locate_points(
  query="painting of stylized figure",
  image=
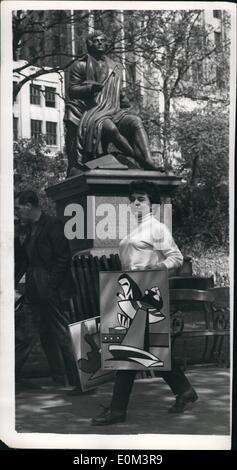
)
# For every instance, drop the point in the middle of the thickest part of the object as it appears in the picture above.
(85, 337)
(135, 332)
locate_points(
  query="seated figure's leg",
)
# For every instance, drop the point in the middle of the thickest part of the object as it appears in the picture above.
(70, 143)
(110, 133)
(132, 128)
(74, 155)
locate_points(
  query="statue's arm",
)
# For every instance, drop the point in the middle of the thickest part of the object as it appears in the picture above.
(124, 101)
(78, 89)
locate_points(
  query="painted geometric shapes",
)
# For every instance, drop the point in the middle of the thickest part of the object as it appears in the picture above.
(135, 321)
(85, 337)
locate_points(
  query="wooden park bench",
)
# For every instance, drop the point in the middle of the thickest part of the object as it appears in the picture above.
(202, 318)
(86, 270)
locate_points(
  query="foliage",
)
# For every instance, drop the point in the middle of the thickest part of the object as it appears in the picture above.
(179, 58)
(48, 40)
(35, 168)
(201, 203)
(207, 262)
(43, 40)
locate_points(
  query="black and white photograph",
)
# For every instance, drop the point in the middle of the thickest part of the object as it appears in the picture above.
(117, 183)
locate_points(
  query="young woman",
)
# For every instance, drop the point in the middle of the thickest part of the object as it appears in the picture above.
(149, 246)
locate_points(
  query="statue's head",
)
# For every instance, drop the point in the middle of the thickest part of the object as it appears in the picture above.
(96, 42)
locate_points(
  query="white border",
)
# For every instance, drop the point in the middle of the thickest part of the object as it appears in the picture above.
(7, 425)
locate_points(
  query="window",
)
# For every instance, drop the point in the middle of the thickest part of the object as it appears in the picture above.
(35, 97)
(217, 14)
(50, 97)
(36, 128)
(132, 72)
(197, 72)
(14, 97)
(219, 77)
(217, 37)
(15, 128)
(51, 133)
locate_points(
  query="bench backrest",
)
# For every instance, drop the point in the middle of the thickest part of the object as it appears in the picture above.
(86, 270)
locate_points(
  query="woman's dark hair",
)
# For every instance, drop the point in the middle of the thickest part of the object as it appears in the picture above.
(28, 196)
(145, 187)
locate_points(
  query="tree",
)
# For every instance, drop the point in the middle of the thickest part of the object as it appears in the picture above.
(171, 54)
(49, 40)
(35, 168)
(43, 39)
(201, 204)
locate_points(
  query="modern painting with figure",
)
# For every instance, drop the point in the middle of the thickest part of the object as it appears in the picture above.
(135, 320)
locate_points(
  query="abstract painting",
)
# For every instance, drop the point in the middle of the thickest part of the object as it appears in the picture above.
(135, 321)
(85, 337)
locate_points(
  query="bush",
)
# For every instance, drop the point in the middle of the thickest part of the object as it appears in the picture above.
(201, 204)
(35, 168)
(208, 262)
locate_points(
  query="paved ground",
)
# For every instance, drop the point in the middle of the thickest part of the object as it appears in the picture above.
(42, 408)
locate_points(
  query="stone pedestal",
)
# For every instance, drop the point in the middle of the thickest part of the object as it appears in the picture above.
(90, 200)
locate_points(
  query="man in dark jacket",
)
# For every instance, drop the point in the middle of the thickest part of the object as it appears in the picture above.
(48, 282)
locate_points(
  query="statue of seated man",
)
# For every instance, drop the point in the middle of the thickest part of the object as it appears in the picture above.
(97, 111)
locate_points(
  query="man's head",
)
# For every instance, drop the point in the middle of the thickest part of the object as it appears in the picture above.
(27, 207)
(96, 43)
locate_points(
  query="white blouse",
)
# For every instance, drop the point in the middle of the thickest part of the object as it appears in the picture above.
(149, 244)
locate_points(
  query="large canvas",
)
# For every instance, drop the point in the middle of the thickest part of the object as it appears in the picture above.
(135, 321)
(86, 345)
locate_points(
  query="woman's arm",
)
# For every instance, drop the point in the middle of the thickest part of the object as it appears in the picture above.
(165, 244)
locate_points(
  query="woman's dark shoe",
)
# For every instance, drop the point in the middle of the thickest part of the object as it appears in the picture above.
(109, 416)
(182, 400)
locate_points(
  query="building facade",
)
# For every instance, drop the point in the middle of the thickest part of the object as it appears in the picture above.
(38, 108)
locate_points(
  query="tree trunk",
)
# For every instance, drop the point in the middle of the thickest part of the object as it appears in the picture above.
(166, 128)
(194, 170)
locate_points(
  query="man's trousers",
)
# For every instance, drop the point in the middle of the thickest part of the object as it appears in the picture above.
(49, 320)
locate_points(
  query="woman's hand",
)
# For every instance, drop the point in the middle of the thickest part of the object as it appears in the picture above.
(162, 265)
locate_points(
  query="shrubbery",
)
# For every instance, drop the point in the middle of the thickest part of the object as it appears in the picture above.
(201, 204)
(200, 149)
(35, 168)
(208, 262)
